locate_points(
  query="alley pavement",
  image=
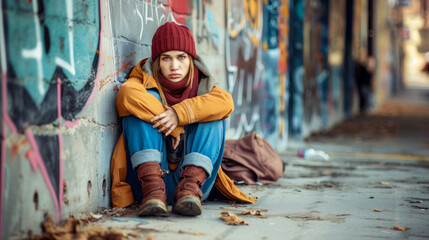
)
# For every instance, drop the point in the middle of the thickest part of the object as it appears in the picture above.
(374, 186)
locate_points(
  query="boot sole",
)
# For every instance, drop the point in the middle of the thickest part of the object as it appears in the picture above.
(188, 206)
(152, 207)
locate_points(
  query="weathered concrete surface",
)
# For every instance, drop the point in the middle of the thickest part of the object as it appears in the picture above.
(377, 178)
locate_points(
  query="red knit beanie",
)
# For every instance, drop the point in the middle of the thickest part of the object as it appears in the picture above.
(173, 37)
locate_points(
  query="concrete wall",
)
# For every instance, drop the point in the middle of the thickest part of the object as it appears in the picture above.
(63, 61)
(58, 123)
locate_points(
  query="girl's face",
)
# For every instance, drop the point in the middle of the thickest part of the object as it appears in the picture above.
(174, 65)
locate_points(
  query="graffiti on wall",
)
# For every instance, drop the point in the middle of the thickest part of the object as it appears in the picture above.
(283, 69)
(135, 21)
(296, 68)
(336, 56)
(271, 81)
(316, 63)
(207, 32)
(243, 64)
(133, 24)
(49, 70)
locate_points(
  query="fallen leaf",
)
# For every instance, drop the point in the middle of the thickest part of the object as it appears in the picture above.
(381, 226)
(384, 183)
(124, 212)
(253, 212)
(151, 238)
(399, 228)
(71, 229)
(232, 219)
(371, 197)
(181, 231)
(197, 234)
(378, 210)
(84, 220)
(134, 235)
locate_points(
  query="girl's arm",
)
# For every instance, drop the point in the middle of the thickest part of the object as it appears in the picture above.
(215, 105)
(133, 99)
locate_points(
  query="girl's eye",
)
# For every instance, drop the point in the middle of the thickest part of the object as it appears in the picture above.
(181, 57)
(166, 58)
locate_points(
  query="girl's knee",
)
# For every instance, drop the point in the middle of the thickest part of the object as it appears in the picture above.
(213, 124)
(154, 93)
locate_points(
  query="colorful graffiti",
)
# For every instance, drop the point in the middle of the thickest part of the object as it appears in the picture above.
(133, 25)
(296, 68)
(207, 32)
(336, 58)
(271, 81)
(256, 64)
(316, 64)
(50, 60)
(135, 22)
(283, 70)
(243, 64)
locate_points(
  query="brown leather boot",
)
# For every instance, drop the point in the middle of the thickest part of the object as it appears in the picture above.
(187, 198)
(153, 189)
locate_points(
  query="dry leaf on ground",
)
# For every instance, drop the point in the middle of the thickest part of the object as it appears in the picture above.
(399, 228)
(195, 233)
(71, 229)
(384, 183)
(232, 219)
(378, 210)
(257, 212)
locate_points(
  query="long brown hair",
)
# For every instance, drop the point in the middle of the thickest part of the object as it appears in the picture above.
(156, 70)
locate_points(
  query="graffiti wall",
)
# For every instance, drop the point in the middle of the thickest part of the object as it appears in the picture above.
(256, 67)
(283, 23)
(336, 61)
(296, 68)
(316, 79)
(271, 78)
(133, 25)
(243, 64)
(50, 56)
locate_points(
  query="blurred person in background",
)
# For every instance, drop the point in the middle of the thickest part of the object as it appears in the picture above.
(364, 70)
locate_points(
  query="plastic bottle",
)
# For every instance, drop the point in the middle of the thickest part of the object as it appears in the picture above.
(313, 154)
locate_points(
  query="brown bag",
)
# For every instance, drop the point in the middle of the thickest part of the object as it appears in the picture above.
(251, 159)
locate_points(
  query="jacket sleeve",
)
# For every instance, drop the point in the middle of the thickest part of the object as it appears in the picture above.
(133, 99)
(215, 105)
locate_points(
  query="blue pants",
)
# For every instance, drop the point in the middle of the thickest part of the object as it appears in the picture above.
(203, 148)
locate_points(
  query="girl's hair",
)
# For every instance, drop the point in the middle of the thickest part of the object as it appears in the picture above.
(156, 70)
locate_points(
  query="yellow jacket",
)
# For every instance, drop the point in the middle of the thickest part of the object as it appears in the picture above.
(211, 103)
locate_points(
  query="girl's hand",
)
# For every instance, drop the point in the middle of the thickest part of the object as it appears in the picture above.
(167, 120)
(176, 141)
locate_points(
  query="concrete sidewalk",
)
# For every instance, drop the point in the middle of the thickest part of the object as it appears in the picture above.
(377, 178)
(353, 198)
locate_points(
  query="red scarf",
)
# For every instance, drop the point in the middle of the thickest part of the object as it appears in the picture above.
(176, 92)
